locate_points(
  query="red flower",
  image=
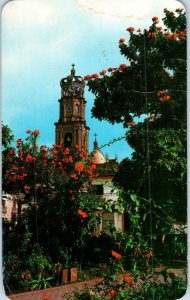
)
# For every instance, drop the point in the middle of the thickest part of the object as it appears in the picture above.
(165, 98)
(19, 143)
(65, 160)
(29, 158)
(152, 34)
(139, 30)
(53, 163)
(96, 76)
(79, 167)
(85, 153)
(121, 40)
(55, 152)
(130, 29)
(175, 36)
(11, 150)
(20, 153)
(148, 255)
(66, 151)
(111, 293)
(111, 69)
(82, 213)
(36, 132)
(28, 131)
(155, 19)
(103, 72)
(182, 35)
(74, 176)
(57, 146)
(116, 255)
(168, 34)
(160, 93)
(131, 123)
(128, 279)
(87, 77)
(89, 172)
(26, 187)
(159, 28)
(122, 66)
(70, 159)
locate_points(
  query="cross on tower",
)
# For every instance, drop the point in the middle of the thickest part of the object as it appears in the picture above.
(73, 70)
(95, 142)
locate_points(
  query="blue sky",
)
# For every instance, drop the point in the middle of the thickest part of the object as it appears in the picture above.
(40, 41)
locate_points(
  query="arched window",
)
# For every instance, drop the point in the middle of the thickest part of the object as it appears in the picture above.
(77, 109)
(68, 140)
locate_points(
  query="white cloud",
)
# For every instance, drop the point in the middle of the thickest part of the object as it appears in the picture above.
(119, 8)
(137, 9)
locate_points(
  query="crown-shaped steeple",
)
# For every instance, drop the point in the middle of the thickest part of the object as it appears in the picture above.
(72, 85)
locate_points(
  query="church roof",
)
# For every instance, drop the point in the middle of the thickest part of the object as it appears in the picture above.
(97, 154)
(98, 157)
(105, 166)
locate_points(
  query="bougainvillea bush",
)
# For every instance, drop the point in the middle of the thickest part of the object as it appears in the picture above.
(52, 185)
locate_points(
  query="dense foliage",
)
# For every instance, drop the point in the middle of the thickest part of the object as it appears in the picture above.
(7, 136)
(148, 95)
(52, 185)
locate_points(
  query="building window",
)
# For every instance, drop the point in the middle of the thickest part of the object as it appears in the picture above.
(68, 140)
(4, 208)
(78, 109)
(107, 217)
(14, 209)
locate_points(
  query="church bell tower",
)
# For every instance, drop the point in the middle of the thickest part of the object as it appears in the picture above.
(71, 128)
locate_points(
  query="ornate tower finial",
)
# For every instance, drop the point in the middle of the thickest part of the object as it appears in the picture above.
(72, 85)
(73, 70)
